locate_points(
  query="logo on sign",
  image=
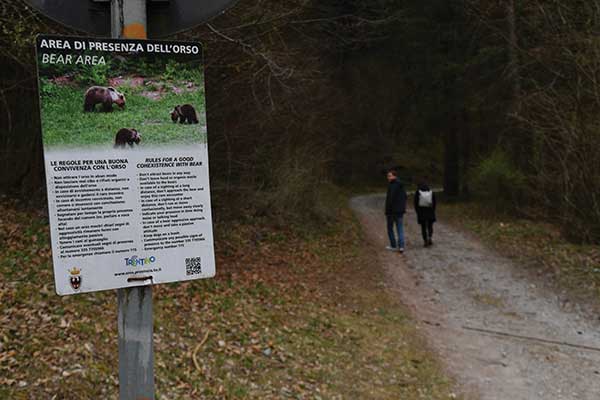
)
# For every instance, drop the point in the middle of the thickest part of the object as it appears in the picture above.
(75, 278)
(135, 261)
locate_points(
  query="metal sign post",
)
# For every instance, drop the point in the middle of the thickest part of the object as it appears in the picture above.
(135, 319)
(136, 349)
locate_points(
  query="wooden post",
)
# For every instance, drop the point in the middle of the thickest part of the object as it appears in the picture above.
(135, 320)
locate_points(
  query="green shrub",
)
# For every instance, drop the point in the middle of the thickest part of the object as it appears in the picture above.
(179, 72)
(48, 89)
(58, 94)
(93, 74)
(170, 70)
(498, 182)
(296, 190)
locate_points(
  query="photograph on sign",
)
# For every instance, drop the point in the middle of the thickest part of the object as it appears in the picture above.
(126, 158)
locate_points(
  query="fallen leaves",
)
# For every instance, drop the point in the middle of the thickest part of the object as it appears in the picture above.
(286, 317)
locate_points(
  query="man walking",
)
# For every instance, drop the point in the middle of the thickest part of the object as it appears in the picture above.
(395, 207)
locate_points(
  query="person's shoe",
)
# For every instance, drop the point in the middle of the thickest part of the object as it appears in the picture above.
(426, 243)
(430, 242)
(401, 249)
(390, 248)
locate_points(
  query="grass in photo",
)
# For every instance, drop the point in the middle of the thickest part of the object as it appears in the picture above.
(163, 101)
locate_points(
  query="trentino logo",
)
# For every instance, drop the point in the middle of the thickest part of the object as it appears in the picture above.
(135, 261)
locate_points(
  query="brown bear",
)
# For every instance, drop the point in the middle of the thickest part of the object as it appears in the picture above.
(107, 96)
(127, 136)
(184, 113)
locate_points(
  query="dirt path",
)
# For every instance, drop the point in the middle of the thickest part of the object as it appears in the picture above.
(461, 292)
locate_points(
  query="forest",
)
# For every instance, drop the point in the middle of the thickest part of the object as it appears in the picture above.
(491, 100)
(306, 105)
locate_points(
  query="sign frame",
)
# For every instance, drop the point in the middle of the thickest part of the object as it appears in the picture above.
(180, 167)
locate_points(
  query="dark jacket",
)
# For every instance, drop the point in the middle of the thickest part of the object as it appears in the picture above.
(395, 201)
(425, 214)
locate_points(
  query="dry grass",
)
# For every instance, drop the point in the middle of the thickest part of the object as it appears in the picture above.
(287, 317)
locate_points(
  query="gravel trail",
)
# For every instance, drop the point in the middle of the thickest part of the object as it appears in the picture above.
(500, 335)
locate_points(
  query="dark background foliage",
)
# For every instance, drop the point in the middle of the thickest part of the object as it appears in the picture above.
(495, 100)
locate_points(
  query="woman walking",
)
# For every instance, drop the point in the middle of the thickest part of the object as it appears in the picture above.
(425, 203)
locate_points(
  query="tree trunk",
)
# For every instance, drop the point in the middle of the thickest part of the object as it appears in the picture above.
(452, 159)
(513, 57)
(466, 152)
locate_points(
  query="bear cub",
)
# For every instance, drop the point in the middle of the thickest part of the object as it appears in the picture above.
(184, 113)
(127, 136)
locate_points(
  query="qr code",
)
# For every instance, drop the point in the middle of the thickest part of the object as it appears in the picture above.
(193, 266)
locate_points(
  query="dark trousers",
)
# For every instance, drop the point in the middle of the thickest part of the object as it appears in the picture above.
(427, 230)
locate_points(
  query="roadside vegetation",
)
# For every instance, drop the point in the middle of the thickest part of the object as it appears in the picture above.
(291, 314)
